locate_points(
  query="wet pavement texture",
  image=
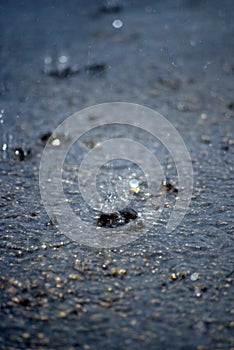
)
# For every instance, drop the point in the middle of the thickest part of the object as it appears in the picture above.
(163, 291)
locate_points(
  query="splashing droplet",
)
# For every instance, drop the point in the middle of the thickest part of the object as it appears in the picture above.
(134, 185)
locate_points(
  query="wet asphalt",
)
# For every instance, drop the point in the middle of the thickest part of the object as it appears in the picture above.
(163, 291)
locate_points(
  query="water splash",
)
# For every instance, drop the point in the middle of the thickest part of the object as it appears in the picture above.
(4, 145)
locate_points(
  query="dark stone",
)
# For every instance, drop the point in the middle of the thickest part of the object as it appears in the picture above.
(96, 68)
(169, 187)
(128, 214)
(119, 218)
(45, 137)
(62, 73)
(108, 220)
(224, 147)
(111, 8)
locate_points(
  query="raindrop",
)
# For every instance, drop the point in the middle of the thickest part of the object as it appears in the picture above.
(117, 23)
(192, 42)
(4, 135)
(134, 185)
(63, 59)
(56, 142)
(194, 276)
(48, 60)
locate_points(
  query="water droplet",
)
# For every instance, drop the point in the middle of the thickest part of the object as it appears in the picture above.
(63, 59)
(19, 154)
(56, 142)
(134, 185)
(48, 60)
(1, 116)
(194, 276)
(193, 42)
(117, 23)
(4, 147)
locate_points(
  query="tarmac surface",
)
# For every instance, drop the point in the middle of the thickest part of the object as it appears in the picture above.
(162, 291)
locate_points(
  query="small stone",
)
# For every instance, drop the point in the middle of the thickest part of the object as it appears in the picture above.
(128, 214)
(62, 313)
(73, 276)
(40, 335)
(116, 271)
(122, 272)
(133, 322)
(205, 139)
(174, 276)
(25, 335)
(97, 318)
(108, 219)
(44, 317)
(45, 137)
(117, 218)
(106, 304)
(96, 68)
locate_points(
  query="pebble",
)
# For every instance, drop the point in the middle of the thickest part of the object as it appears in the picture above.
(45, 137)
(96, 68)
(231, 106)
(116, 271)
(66, 72)
(116, 219)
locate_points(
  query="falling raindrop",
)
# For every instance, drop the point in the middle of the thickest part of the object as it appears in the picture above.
(4, 145)
(117, 23)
